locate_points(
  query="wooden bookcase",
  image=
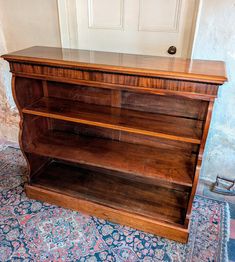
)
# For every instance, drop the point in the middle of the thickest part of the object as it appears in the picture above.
(113, 135)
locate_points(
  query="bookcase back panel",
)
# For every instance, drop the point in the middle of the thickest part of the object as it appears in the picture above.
(161, 104)
(177, 106)
(85, 94)
(87, 130)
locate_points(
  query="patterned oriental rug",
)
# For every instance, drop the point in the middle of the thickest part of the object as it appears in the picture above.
(35, 231)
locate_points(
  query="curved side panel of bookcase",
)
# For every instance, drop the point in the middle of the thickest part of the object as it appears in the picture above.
(25, 91)
(21, 126)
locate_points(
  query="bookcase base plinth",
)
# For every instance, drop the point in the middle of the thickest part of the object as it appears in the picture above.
(156, 227)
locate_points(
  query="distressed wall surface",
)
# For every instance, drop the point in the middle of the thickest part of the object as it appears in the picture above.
(8, 113)
(215, 40)
(22, 24)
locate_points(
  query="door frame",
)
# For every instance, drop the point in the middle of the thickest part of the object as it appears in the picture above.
(68, 21)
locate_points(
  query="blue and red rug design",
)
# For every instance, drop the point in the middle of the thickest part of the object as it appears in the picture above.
(35, 231)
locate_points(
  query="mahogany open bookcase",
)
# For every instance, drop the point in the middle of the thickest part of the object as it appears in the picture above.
(115, 135)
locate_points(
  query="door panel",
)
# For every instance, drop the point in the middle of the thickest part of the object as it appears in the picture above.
(113, 19)
(136, 26)
(159, 15)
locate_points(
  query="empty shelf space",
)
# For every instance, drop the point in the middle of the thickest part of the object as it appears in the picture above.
(118, 193)
(151, 124)
(141, 162)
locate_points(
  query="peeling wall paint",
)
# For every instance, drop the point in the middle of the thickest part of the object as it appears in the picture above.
(215, 40)
(9, 116)
(22, 24)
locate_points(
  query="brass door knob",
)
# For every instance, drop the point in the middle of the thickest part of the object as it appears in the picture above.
(172, 50)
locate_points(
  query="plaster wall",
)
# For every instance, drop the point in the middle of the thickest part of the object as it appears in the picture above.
(22, 24)
(30, 22)
(215, 40)
(8, 112)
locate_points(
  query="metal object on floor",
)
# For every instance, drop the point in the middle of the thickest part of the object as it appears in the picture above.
(224, 186)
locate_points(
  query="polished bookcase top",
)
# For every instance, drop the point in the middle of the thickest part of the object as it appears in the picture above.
(178, 68)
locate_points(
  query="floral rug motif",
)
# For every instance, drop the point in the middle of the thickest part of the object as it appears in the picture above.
(34, 231)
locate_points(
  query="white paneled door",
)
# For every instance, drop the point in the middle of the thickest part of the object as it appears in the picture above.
(129, 26)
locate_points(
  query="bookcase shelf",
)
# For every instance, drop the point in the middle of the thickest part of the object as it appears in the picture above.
(155, 202)
(149, 164)
(158, 125)
(113, 138)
